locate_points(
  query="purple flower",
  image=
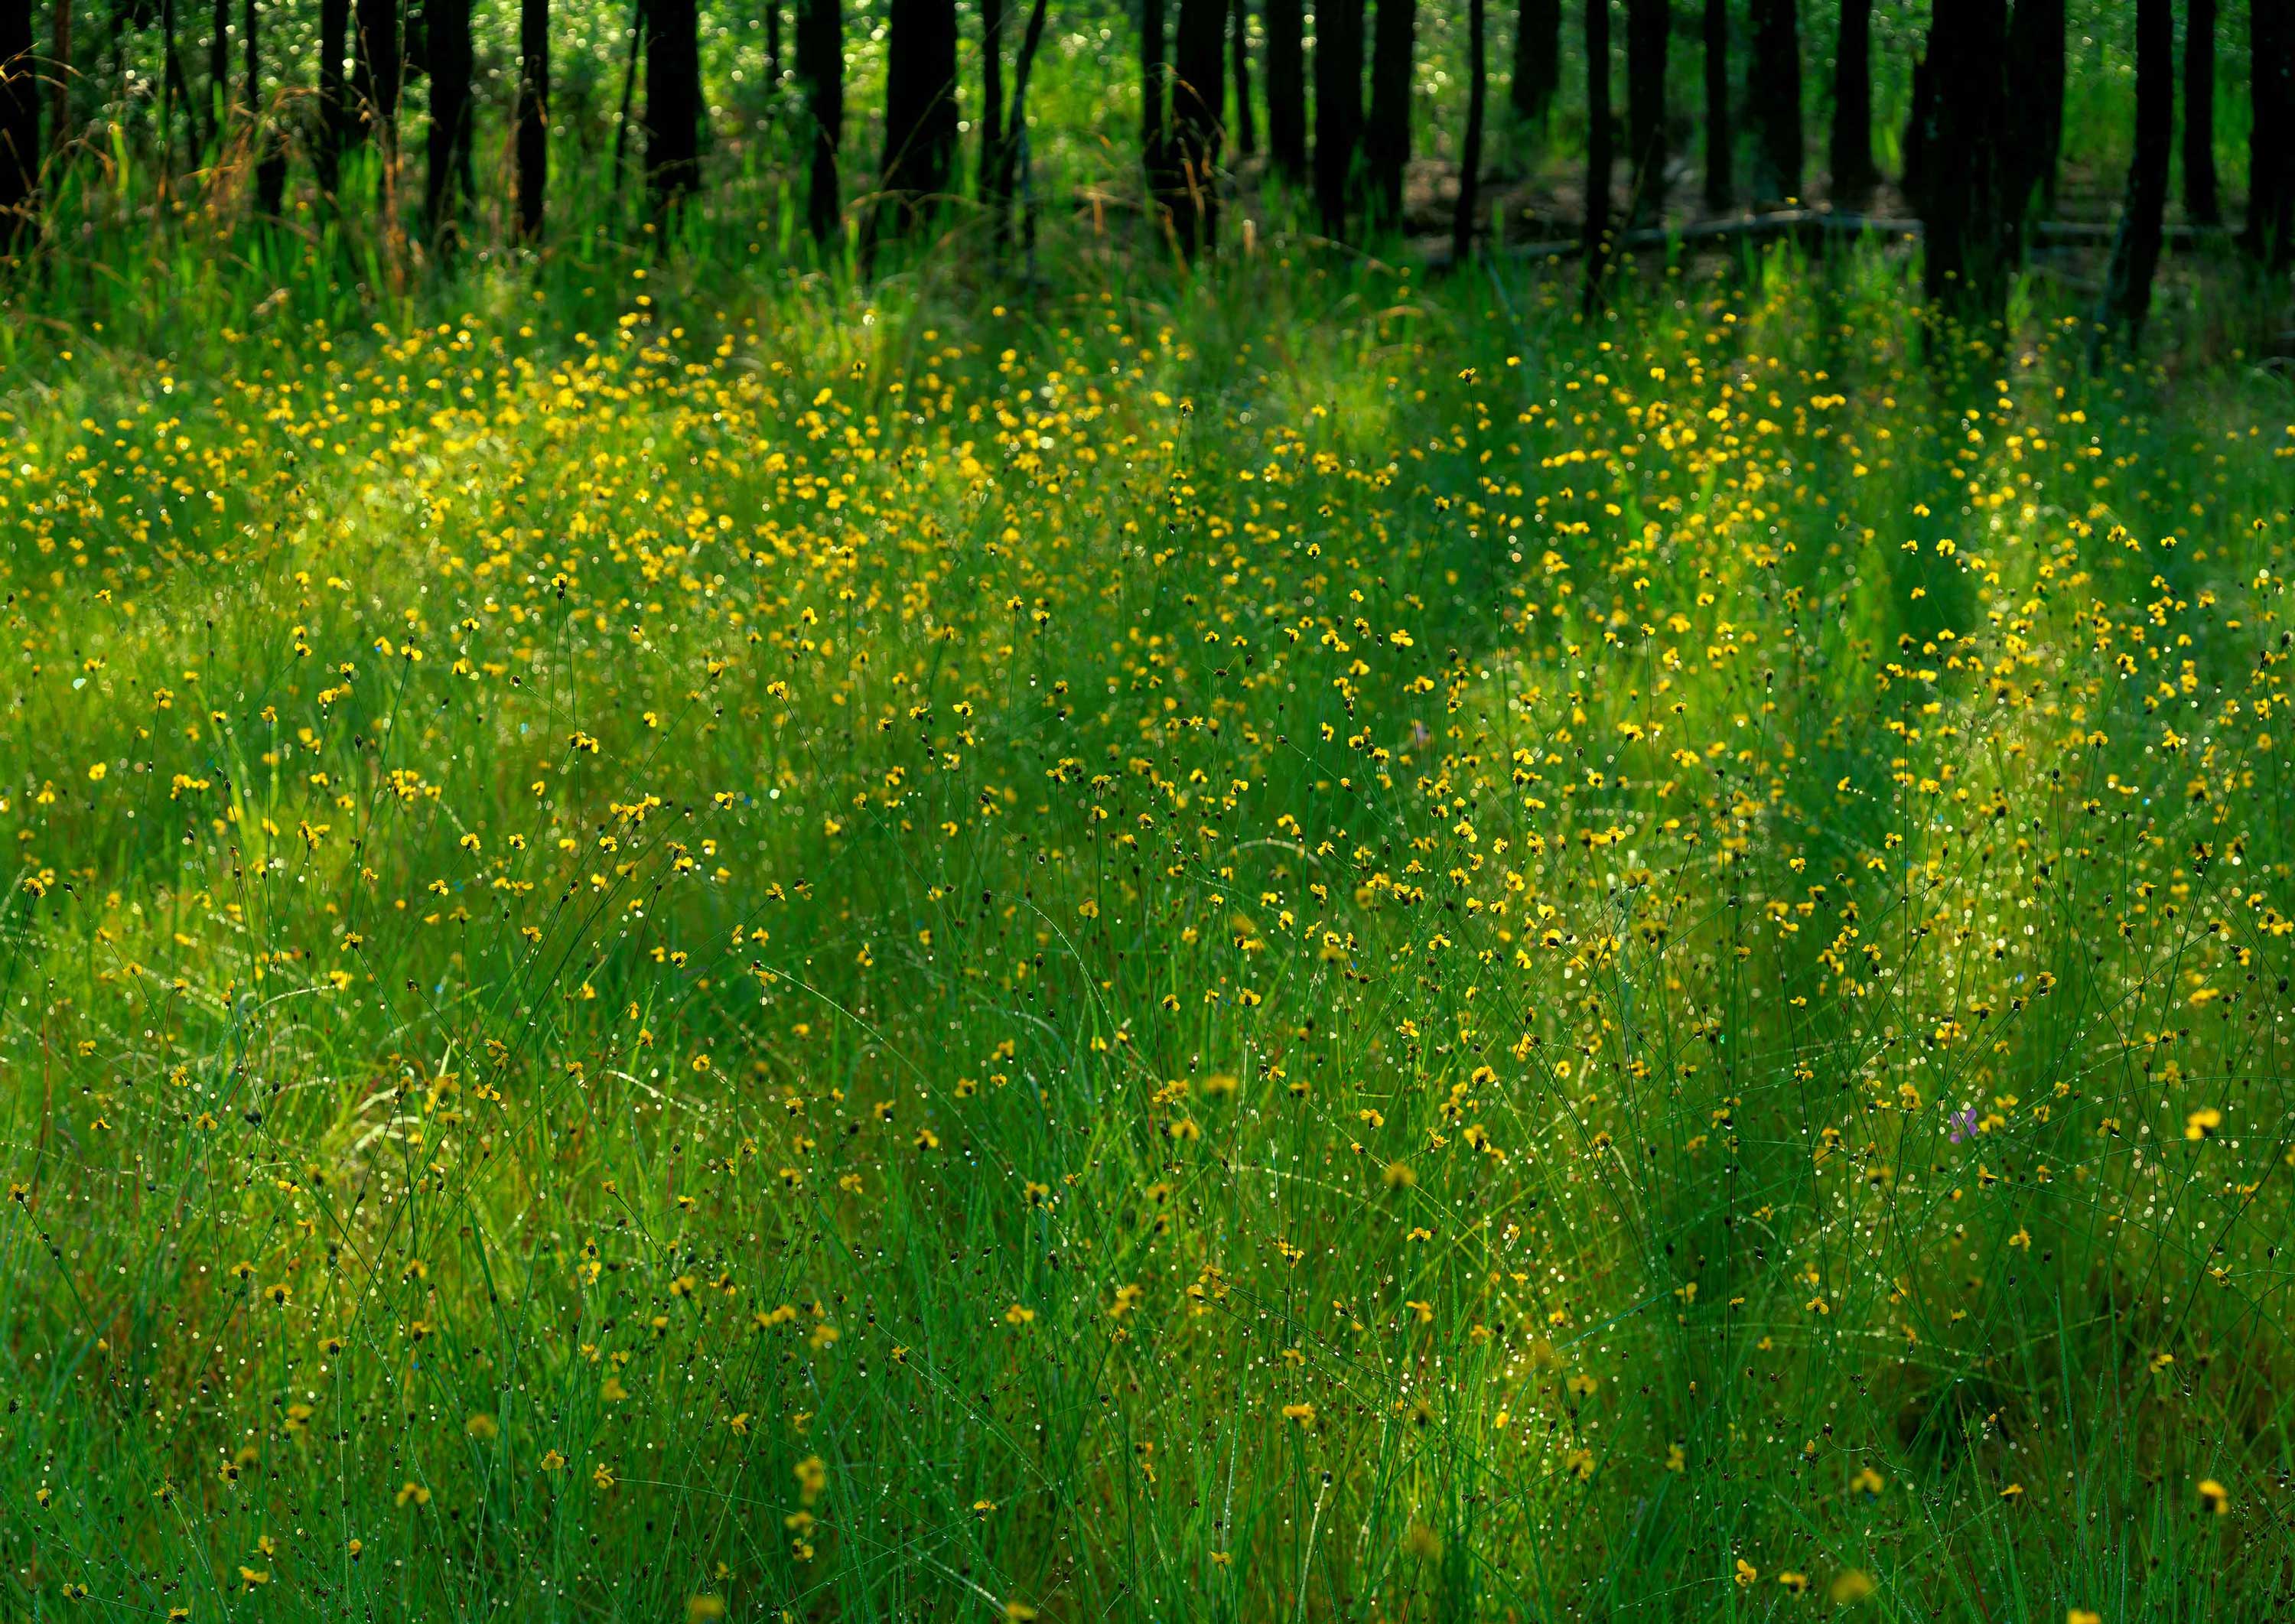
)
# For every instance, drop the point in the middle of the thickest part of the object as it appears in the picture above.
(1963, 1124)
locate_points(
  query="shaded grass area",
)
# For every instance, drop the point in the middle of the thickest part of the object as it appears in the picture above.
(1291, 945)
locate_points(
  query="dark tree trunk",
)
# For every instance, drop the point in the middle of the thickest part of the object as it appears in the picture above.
(1011, 155)
(991, 94)
(1286, 86)
(773, 45)
(1720, 138)
(1960, 117)
(1247, 131)
(335, 114)
(1154, 155)
(1536, 60)
(533, 115)
(1198, 98)
(1649, 29)
(271, 149)
(2270, 235)
(219, 76)
(1773, 100)
(1338, 108)
(821, 66)
(446, 37)
(19, 129)
(1470, 150)
(1597, 153)
(2034, 132)
(1386, 134)
(2202, 199)
(376, 72)
(640, 14)
(673, 108)
(920, 108)
(2136, 246)
(1850, 161)
(174, 93)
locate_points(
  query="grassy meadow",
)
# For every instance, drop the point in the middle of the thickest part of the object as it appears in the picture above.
(1290, 944)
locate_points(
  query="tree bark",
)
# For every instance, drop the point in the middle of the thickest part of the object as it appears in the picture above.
(920, 133)
(20, 130)
(1286, 86)
(1597, 153)
(1960, 121)
(1851, 158)
(533, 115)
(446, 39)
(2034, 132)
(1338, 108)
(672, 109)
(991, 94)
(1649, 30)
(1198, 98)
(334, 94)
(772, 46)
(2270, 235)
(1773, 101)
(1011, 155)
(1536, 60)
(1470, 149)
(821, 65)
(2135, 247)
(1386, 134)
(1247, 129)
(270, 145)
(1720, 154)
(2202, 198)
(376, 70)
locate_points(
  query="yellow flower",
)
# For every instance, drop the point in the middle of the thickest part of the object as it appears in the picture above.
(95, 774)
(703, 1608)
(482, 1427)
(413, 1494)
(2214, 1496)
(553, 1461)
(1747, 1573)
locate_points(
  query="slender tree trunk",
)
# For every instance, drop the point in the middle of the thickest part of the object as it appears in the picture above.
(376, 70)
(533, 115)
(1386, 134)
(1854, 173)
(991, 94)
(1773, 101)
(446, 38)
(1286, 85)
(641, 24)
(270, 145)
(1597, 153)
(2136, 246)
(1967, 252)
(1470, 150)
(2270, 235)
(2034, 131)
(1338, 108)
(1649, 30)
(920, 132)
(1198, 99)
(20, 130)
(334, 94)
(60, 54)
(1536, 60)
(821, 66)
(1247, 129)
(2202, 199)
(1009, 152)
(773, 45)
(219, 76)
(1154, 155)
(672, 109)
(174, 92)
(1720, 138)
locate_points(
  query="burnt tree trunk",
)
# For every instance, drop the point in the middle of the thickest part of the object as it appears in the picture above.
(1387, 134)
(1470, 149)
(2034, 130)
(821, 66)
(1198, 98)
(2270, 235)
(19, 129)
(920, 134)
(672, 109)
(1720, 139)
(1286, 86)
(376, 70)
(1536, 60)
(1967, 249)
(1649, 29)
(1338, 108)
(270, 147)
(1851, 157)
(1246, 128)
(1773, 100)
(1011, 156)
(335, 112)
(447, 179)
(533, 115)
(1597, 153)
(2136, 246)
(2202, 198)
